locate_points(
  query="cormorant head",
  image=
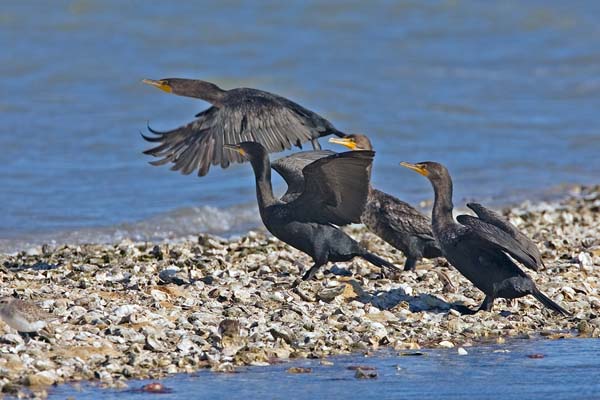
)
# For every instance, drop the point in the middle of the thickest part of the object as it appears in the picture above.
(353, 142)
(252, 151)
(186, 87)
(435, 172)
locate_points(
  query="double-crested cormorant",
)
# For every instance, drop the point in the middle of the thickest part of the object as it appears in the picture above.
(333, 193)
(236, 115)
(478, 249)
(396, 222)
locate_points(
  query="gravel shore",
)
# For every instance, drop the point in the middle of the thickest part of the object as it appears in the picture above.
(145, 310)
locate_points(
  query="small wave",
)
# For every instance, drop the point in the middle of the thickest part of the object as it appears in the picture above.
(177, 224)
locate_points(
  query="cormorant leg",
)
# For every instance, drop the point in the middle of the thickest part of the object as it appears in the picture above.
(311, 272)
(315, 144)
(410, 264)
(487, 304)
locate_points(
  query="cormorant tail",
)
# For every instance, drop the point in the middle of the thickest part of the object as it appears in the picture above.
(545, 300)
(378, 261)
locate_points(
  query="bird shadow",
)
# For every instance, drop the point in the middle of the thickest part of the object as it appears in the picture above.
(388, 299)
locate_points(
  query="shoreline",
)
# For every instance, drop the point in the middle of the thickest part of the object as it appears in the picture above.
(145, 310)
(181, 224)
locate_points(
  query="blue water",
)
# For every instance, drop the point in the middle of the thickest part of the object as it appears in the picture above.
(569, 369)
(505, 93)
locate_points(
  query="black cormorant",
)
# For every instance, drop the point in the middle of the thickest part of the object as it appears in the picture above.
(236, 115)
(334, 192)
(479, 250)
(393, 220)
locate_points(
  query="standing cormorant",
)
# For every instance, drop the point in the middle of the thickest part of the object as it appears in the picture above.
(236, 115)
(393, 220)
(478, 249)
(334, 192)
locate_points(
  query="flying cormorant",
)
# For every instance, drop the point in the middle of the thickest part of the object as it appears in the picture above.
(236, 115)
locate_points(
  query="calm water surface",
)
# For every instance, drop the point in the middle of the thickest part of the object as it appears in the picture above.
(505, 93)
(569, 370)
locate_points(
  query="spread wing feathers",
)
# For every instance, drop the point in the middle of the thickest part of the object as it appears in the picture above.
(290, 168)
(399, 216)
(199, 144)
(335, 188)
(489, 216)
(498, 238)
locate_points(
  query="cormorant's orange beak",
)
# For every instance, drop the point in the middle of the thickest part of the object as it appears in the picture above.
(349, 143)
(416, 167)
(235, 147)
(162, 85)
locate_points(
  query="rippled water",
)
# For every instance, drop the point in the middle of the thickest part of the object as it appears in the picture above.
(505, 93)
(569, 369)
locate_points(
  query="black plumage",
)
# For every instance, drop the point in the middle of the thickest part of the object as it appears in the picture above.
(478, 249)
(236, 115)
(290, 168)
(393, 220)
(334, 193)
(527, 252)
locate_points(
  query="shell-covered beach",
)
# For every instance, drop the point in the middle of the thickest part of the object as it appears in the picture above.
(146, 310)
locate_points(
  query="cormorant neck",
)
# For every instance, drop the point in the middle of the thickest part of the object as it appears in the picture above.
(442, 205)
(206, 91)
(264, 189)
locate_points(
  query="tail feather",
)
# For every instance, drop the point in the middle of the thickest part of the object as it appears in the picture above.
(378, 261)
(545, 300)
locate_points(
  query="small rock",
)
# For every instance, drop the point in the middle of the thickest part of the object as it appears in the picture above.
(535, 355)
(328, 295)
(362, 367)
(446, 344)
(299, 370)
(155, 387)
(365, 374)
(585, 260)
(462, 351)
(279, 333)
(172, 275)
(44, 378)
(229, 328)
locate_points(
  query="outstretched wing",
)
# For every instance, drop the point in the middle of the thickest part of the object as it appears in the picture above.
(245, 115)
(497, 237)
(290, 168)
(335, 188)
(489, 216)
